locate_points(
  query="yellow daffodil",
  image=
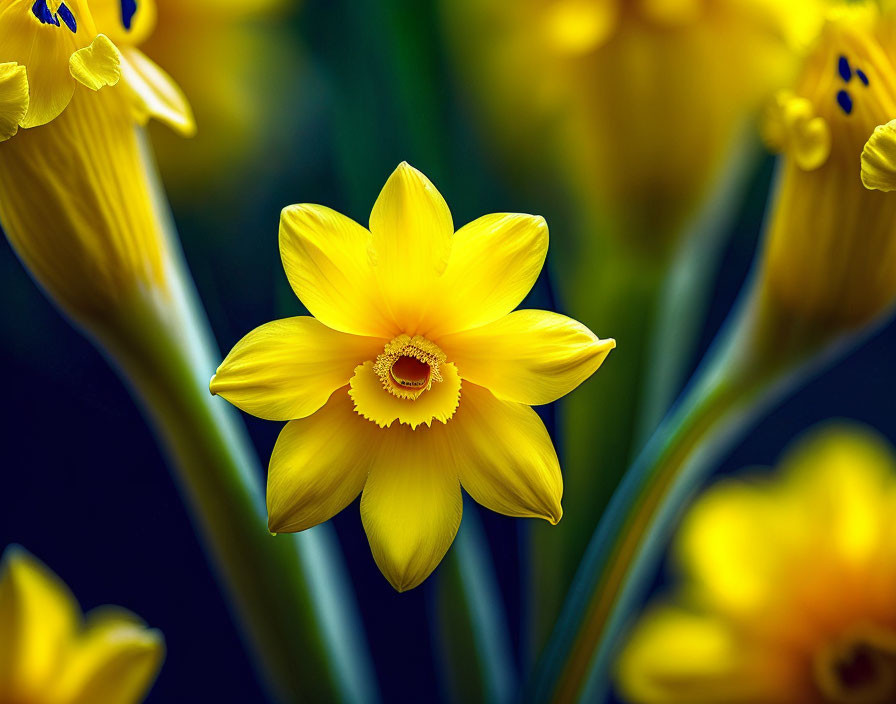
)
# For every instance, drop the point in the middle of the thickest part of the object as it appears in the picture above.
(50, 654)
(638, 105)
(413, 377)
(75, 197)
(830, 256)
(788, 588)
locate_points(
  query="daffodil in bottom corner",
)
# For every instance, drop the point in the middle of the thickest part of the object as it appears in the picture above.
(414, 377)
(50, 654)
(789, 588)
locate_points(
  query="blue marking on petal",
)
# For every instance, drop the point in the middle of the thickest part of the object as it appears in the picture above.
(128, 10)
(843, 69)
(862, 77)
(844, 101)
(66, 16)
(42, 12)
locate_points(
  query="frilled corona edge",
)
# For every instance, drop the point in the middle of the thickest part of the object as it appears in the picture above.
(414, 377)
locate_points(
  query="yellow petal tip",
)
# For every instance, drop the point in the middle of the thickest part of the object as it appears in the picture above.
(97, 65)
(879, 159)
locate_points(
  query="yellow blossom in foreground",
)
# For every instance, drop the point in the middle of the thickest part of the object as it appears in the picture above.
(50, 654)
(830, 256)
(413, 377)
(788, 588)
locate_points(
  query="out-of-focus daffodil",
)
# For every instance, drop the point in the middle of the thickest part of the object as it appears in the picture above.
(414, 377)
(830, 255)
(50, 654)
(637, 105)
(788, 588)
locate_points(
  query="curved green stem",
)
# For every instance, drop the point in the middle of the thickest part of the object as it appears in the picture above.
(740, 379)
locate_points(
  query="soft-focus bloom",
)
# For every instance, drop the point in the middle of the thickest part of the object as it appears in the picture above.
(51, 654)
(413, 377)
(788, 588)
(637, 105)
(830, 255)
(76, 199)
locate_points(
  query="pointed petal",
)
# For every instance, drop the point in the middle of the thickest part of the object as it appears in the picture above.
(288, 368)
(13, 98)
(114, 661)
(494, 263)
(411, 505)
(411, 231)
(38, 619)
(529, 356)
(97, 65)
(319, 465)
(325, 256)
(154, 94)
(505, 457)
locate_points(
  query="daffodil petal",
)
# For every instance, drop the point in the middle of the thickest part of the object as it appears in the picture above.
(494, 263)
(97, 65)
(411, 505)
(676, 657)
(114, 661)
(319, 465)
(13, 98)
(879, 159)
(411, 230)
(154, 94)
(528, 356)
(288, 368)
(325, 256)
(125, 28)
(38, 619)
(44, 49)
(505, 457)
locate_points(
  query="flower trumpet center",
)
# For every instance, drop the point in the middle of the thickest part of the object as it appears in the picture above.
(54, 13)
(409, 366)
(858, 669)
(411, 382)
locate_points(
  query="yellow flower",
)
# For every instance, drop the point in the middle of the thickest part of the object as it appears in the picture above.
(414, 377)
(49, 47)
(789, 583)
(638, 105)
(77, 201)
(49, 654)
(830, 256)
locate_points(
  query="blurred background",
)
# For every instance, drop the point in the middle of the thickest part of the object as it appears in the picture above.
(338, 93)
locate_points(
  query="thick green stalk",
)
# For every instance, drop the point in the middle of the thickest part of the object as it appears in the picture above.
(290, 593)
(746, 372)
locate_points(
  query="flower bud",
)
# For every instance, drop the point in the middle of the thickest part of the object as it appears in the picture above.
(830, 254)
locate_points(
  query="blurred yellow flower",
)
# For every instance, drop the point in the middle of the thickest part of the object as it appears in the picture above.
(830, 256)
(638, 105)
(412, 324)
(49, 654)
(788, 593)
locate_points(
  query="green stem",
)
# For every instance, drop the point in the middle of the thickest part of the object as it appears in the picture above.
(740, 379)
(290, 593)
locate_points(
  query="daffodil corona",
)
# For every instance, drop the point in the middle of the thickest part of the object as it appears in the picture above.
(413, 377)
(789, 588)
(50, 654)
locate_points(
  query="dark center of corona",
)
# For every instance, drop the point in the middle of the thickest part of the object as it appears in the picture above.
(863, 674)
(410, 373)
(62, 15)
(846, 73)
